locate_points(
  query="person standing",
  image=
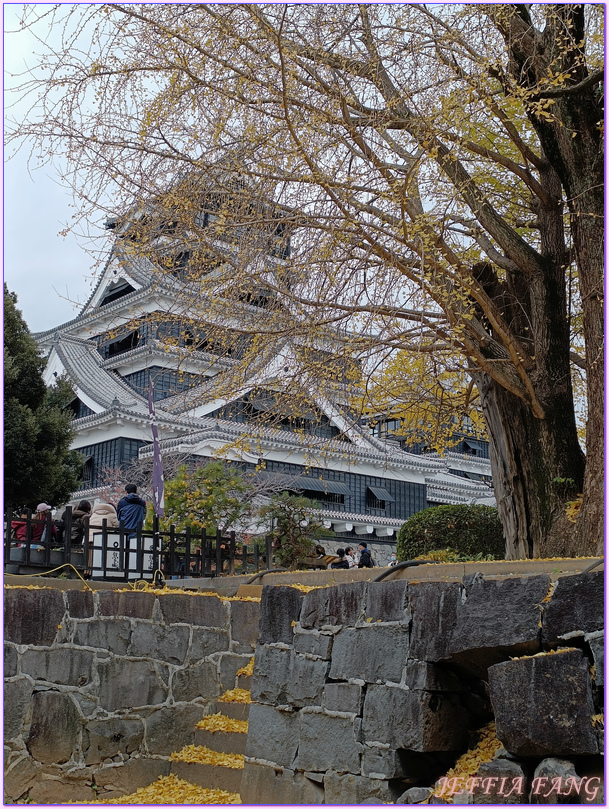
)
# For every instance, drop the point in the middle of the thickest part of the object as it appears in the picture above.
(104, 511)
(350, 557)
(341, 562)
(365, 557)
(131, 510)
(79, 515)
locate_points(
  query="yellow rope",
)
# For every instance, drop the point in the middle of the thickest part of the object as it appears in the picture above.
(148, 585)
(46, 573)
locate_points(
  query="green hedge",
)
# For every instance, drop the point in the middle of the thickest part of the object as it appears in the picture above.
(468, 530)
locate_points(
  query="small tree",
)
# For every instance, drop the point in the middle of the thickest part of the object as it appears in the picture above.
(295, 527)
(468, 530)
(211, 497)
(38, 462)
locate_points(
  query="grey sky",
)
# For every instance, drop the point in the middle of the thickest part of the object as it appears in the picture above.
(50, 273)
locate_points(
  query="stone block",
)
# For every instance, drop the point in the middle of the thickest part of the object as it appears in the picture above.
(383, 763)
(244, 620)
(130, 605)
(273, 735)
(199, 681)
(423, 676)
(596, 642)
(62, 666)
(87, 703)
(500, 781)
(313, 642)
(221, 741)
(19, 777)
(543, 705)
(282, 677)
(261, 784)
(420, 721)
(343, 697)
(415, 795)
(576, 605)
(244, 681)
(31, 617)
(342, 605)
(496, 620)
(57, 789)
(208, 775)
(55, 727)
(107, 634)
(433, 606)
(17, 696)
(387, 601)
(555, 781)
(234, 710)
(206, 642)
(80, 603)
(279, 606)
(197, 610)
(105, 738)
(327, 742)
(353, 789)
(133, 774)
(10, 661)
(130, 684)
(171, 728)
(155, 641)
(228, 666)
(374, 652)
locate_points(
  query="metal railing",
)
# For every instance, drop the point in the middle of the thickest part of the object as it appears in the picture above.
(104, 553)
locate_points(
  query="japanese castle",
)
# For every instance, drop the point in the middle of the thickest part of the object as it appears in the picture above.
(132, 331)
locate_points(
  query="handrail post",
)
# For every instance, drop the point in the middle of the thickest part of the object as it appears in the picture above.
(231, 555)
(7, 534)
(187, 539)
(244, 563)
(67, 535)
(204, 553)
(218, 553)
(104, 545)
(269, 551)
(47, 533)
(28, 536)
(87, 549)
(187, 556)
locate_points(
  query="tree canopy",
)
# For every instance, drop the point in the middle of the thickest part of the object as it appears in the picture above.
(439, 170)
(38, 463)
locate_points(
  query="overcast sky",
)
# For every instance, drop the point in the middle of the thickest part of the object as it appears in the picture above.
(50, 273)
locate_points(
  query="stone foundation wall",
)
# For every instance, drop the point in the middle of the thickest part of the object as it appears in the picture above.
(100, 687)
(365, 690)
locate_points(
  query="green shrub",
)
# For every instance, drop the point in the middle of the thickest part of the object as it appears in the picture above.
(468, 530)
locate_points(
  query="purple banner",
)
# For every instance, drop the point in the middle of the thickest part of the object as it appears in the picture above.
(158, 481)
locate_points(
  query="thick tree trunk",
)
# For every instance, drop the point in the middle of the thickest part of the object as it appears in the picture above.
(533, 462)
(572, 140)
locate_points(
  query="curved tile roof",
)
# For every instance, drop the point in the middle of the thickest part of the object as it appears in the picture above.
(83, 364)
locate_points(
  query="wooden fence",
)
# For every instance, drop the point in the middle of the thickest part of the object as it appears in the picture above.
(103, 553)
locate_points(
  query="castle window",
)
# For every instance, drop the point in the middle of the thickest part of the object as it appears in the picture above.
(378, 497)
(122, 344)
(116, 291)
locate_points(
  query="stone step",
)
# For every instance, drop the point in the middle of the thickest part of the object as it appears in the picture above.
(234, 710)
(221, 741)
(244, 681)
(210, 776)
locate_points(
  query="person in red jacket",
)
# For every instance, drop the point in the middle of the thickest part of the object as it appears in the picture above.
(38, 526)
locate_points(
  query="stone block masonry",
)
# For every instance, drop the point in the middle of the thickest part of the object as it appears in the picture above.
(363, 692)
(101, 687)
(367, 691)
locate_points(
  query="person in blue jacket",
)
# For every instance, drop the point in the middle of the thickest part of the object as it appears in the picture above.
(131, 510)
